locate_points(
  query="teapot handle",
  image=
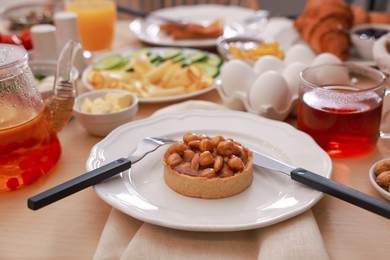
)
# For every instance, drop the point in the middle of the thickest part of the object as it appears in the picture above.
(60, 104)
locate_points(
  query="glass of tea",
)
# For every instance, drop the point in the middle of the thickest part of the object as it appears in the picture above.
(340, 106)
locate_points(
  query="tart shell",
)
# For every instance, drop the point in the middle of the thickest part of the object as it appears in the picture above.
(209, 188)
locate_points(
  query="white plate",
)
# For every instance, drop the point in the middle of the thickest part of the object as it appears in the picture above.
(153, 99)
(148, 30)
(271, 198)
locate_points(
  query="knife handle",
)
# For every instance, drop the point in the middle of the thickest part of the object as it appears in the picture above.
(79, 183)
(341, 191)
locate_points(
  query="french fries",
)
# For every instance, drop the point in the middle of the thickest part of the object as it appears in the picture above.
(257, 52)
(148, 80)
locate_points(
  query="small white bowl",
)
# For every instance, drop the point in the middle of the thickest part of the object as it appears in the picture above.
(102, 124)
(385, 194)
(244, 43)
(47, 68)
(381, 51)
(23, 14)
(363, 44)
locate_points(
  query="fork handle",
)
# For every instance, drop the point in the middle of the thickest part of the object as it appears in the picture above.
(79, 183)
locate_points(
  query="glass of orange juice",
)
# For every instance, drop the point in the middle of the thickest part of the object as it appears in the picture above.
(96, 22)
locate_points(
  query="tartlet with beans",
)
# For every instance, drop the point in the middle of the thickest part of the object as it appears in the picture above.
(208, 167)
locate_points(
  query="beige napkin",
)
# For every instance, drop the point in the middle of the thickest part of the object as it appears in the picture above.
(124, 237)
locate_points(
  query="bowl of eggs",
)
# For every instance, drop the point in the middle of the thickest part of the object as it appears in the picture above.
(379, 175)
(101, 111)
(268, 87)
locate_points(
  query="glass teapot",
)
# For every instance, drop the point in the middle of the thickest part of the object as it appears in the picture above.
(29, 147)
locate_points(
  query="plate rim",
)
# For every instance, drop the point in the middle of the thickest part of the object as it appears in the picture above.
(204, 43)
(154, 119)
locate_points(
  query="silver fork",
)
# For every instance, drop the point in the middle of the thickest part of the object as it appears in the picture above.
(146, 146)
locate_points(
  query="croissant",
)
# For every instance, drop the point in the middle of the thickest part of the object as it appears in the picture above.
(324, 25)
(361, 16)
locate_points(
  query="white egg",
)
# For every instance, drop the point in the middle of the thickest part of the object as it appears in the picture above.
(299, 53)
(270, 89)
(236, 75)
(267, 63)
(292, 76)
(326, 58)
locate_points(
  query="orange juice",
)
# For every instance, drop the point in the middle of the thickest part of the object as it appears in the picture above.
(96, 22)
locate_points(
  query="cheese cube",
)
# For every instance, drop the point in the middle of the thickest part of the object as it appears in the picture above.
(119, 100)
(101, 106)
(111, 102)
(86, 105)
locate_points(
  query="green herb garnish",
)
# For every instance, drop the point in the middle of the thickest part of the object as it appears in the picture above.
(39, 76)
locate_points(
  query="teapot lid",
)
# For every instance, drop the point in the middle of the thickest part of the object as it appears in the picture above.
(11, 54)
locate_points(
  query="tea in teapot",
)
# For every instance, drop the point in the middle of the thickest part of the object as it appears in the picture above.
(29, 146)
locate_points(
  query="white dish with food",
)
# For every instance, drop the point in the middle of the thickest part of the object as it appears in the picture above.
(272, 197)
(381, 186)
(21, 15)
(101, 111)
(364, 36)
(381, 52)
(146, 91)
(233, 17)
(44, 73)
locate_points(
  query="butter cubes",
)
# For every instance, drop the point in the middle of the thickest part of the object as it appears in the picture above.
(111, 102)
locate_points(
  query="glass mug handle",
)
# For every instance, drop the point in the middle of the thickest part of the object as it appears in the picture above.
(381, 133)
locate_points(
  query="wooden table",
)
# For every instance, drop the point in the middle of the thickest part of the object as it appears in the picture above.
(71, 227)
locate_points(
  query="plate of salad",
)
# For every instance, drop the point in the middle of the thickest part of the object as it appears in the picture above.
(156, 74)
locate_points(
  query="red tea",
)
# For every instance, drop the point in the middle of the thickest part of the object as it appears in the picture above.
(341, 125)
(27, 151)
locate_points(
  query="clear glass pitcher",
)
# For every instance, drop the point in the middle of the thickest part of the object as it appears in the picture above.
(29, 147)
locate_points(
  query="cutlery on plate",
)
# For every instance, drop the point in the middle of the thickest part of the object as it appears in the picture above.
(150, 144)
(144, 15)
(324, 184)
(146, 146)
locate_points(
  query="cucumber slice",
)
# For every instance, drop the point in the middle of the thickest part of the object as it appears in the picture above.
(40, 76)
(128, 67)
(145, 51)
(197, 57)
(178, 58)
(154, 57)
(214, 61)
(171, 54)
(207, 69)
(121, 65)
(109, 62)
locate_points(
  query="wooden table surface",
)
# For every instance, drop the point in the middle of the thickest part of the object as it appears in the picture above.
(71, 227)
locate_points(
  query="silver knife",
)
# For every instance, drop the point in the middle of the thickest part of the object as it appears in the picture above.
(324, 184)
(145, 15)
